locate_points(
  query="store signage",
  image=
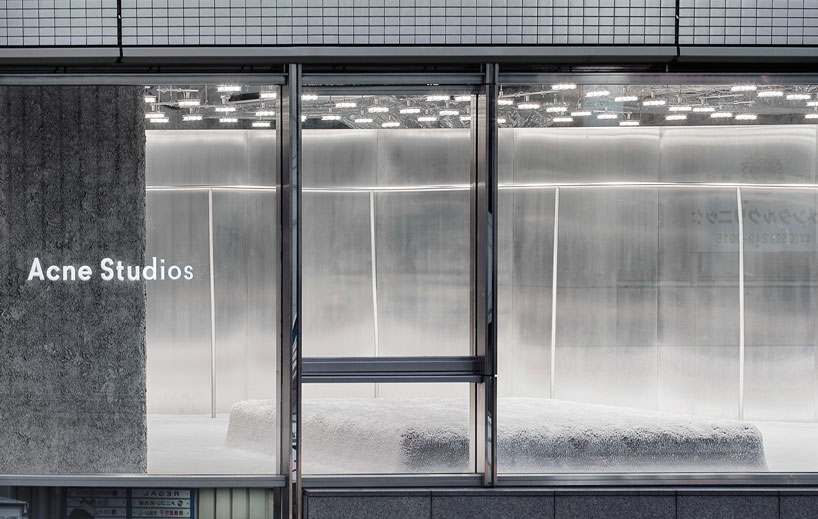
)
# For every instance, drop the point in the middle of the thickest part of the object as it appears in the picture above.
(111, 270)
(128, 503)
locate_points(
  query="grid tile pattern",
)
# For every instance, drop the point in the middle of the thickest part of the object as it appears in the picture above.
(748, 22)
(408, 22)
(397, 22)
(58, 22)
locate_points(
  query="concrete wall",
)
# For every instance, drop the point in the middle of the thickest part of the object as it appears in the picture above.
(72, 354)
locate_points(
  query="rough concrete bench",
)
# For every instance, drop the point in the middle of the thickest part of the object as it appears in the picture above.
(534, 435)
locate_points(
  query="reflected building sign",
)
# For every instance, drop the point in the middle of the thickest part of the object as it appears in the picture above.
(769, 226)
(123, 503)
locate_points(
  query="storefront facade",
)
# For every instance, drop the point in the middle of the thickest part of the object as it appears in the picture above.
(330, 260)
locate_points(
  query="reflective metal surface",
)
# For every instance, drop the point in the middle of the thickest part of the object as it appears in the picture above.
(421, 243)
(210, 157)
(781, 298)
(178, 312)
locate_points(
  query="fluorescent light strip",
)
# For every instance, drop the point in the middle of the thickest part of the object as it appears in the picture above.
(528, 106)
(704, 109)
(192, 117)
(563, 119)
(625, 99)
(410, 110)
(268, 95)
(770, 93)
(377, 109)
(607, 116)
(225, 109)
(743, 88)
(654, 102)
(505, 102)
(228, 120)
(501, 120)
(798, 97)
(679, 108)
(346, 105)
(362, 120)
(331, 117)
(462, 99)
(150, 99)
(812, 103)
(445, 113)
(746, 117)
(160, 120)
(265, 113)
(427, 119)
(154, 115)
(556, 109)
(189, 102)
(628, 123)
(597, 93)
(390, 124)
(676, 117)
(229, 88)
(721, 115)
(465, 118)
(581, 113)
(438, 98)
(309, 97)
(261, 124)
(564, 86)
(811, 116)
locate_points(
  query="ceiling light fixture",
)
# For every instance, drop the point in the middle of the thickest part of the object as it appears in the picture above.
(625, 99)
(261, 124)
(564, 86)
(654, 102)
(597, 93)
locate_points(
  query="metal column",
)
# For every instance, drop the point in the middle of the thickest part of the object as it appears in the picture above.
(484, 238)
(289, 417)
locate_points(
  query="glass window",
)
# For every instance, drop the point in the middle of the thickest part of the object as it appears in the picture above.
(212, 334)
(386, 428)
(640, 330)
(386, 219)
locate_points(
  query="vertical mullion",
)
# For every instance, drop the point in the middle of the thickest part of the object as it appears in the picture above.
(289, 185)
(485, 279)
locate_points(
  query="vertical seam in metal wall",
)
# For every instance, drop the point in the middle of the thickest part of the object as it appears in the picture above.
(374, 264)
(119, 29)
(675, 26)
(553, 388)
(212, 304)
(740, 218)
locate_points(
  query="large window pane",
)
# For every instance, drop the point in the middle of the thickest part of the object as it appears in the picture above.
(406, 428)
(386, 225)
(638, 360)
(211, 340)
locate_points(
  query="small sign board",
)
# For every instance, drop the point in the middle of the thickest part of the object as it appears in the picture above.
(128, 503)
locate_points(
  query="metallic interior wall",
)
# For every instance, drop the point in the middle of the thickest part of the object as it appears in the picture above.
(235, 163)
(648, 278)
(647, 306)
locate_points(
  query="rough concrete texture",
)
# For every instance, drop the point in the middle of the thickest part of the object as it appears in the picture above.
(72, 354)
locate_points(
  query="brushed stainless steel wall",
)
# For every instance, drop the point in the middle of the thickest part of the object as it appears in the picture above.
(421, 242)
(245, 260)
(647, 307)
(178, 312)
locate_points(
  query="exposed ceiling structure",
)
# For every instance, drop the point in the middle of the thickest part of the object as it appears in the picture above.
(565, 104)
